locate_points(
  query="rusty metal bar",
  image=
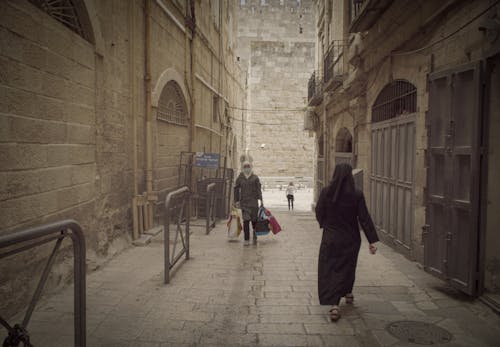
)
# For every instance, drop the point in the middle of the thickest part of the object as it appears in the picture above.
(65, 228)
(210, 208)
(176, 202)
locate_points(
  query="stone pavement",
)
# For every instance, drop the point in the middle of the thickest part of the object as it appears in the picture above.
(264, 295)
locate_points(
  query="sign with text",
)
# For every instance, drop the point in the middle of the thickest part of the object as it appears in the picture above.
(207, 160)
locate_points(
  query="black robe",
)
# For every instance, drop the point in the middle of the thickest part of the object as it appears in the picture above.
(338, 254)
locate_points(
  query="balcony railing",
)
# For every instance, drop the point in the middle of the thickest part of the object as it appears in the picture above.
(315, 89)
(334, 64)
(356, 6)
(365, 13)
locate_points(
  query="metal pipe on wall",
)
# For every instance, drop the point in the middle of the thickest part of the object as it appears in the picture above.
(131, 71)
(149, 137)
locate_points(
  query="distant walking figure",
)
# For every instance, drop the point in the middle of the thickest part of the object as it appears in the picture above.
(247, 192)
(340, 206)
(290, 190)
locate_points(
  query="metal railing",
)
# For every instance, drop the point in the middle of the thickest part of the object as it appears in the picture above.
(33, 237)
(314, 86)
(355, 8)
(334, 63)
(177, 212)
(210, 218)
(210, 208)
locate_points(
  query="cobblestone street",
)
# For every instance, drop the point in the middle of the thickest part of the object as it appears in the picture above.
(264, 295)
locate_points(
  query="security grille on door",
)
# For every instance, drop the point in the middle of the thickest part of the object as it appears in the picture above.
(172, 105)
(393, 160)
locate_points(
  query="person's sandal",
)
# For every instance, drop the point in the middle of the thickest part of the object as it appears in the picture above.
(349, 299)
(335, 313)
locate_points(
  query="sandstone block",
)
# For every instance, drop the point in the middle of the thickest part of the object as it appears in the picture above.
(16, 101)
(22, 156)
(81, 134)
(32, 130)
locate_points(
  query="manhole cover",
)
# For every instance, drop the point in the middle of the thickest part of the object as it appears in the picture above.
(419, 332)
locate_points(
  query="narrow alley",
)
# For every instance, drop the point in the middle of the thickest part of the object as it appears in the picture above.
(131, 131)
(265, 295)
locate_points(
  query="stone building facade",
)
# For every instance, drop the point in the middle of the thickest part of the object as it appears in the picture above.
(408, 92)
(276, 48)
(97, 101)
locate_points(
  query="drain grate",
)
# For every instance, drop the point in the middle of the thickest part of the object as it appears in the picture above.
(419, 332)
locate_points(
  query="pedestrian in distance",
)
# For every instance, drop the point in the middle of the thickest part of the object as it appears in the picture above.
(290, 191)
(247, 192)
(339, 209)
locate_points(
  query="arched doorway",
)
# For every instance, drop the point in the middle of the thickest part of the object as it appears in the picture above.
(172, 136)
(343, 147)
(393, 161)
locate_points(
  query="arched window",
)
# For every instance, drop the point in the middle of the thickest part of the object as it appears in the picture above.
(343, 141)
(397, 98)
(71, 13)
(172, 105)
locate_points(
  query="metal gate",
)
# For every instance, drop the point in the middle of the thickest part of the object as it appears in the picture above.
(393, 162)
(452, 230)
(391, 179)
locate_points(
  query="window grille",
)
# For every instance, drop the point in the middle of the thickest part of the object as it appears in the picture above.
(64, 11)
(397, 98)
(172, 106)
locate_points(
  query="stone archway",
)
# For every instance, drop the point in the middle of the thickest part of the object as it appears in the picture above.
(171, 130)
(343, 146)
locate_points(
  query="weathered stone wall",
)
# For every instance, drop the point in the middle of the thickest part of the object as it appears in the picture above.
(376, 62)
(70, 110)
(276, 45)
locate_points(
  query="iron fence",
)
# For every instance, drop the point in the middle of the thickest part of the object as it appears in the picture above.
(209, 208)
(315, 89)
(33, 237)
(333, 62)
(355, 8)
(177, 212)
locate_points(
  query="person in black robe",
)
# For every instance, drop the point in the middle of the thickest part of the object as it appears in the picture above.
(340, 206)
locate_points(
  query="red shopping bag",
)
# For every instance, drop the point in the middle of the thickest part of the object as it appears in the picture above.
(275, 226)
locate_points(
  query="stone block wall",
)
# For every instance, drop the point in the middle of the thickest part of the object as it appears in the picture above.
(276, 45)
(70, 109)
(379, 62)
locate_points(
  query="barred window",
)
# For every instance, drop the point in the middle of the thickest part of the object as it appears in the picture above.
(397, 98)
(68, 12)
(172, 105)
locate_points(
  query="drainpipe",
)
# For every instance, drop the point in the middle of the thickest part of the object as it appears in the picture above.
(190, 14)
(149, 139)
(221, 66)
(131, 70)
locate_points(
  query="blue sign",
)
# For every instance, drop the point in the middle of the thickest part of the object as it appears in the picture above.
(207, 160)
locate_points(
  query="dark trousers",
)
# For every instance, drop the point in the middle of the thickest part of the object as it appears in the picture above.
(246, 230)
(290, 200)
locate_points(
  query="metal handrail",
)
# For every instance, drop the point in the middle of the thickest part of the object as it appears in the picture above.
(210, 208)
(176, 202)
(47, 233)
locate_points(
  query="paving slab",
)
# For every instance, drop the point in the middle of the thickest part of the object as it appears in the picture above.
(228, 294)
